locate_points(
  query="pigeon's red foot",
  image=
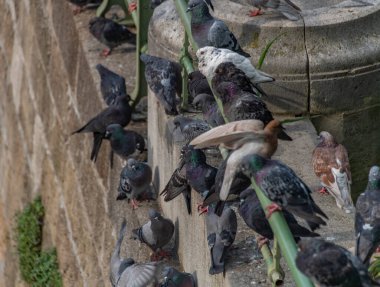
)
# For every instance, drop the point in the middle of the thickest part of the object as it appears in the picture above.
(323, 191)
(201, 209)
(377, 250)
(262, 241)
(159, 255)
(134, 204)
(106, 52)
(254, 13)
(132, 7)
(273, 207)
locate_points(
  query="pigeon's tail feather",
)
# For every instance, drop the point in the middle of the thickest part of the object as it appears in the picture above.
(245, 54)
(121, 195)
(282, 135)
(187, 196)
(98, 138)
(261, 77)
(289, 10)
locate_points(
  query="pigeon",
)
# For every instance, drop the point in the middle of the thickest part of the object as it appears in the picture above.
(239, 183)
(178, 184)
(110, 33)
(175, 278)
(284, 7)
(221, 232)
(209, 31)
(186, 129)
(331, 165)
(253, 215)
(328, 264)
(197, 84)
(209, 58)
(164, 79)
(282, 186)
(112, 85)
(155, 3)
(244, 138)
(135, 181)
(199, 174)
(85, 4)
(239, 105)
(124, 143)
(119, 113)
(367, 218)
(228, 72)
(126, 272)
(210, 109)
(156, 233)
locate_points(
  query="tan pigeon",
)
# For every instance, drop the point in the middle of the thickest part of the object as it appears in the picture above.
(331, 165)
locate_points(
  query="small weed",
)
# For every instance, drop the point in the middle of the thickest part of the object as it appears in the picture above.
(38, 268)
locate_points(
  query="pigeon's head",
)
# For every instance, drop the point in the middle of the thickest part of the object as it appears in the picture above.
(132, 164)
(196, 75)
(140, 143)
(147, 59)
(192, 155)
(225, 68)
(251, 164)
(167, 272)
(326, 139)
(178, 121)
(202, 100)
(374, 177)
(154, 214)
(309, 246)
(113, 130)
(199, 5)
(249, 192)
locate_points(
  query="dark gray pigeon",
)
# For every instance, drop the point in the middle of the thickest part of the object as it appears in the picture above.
(197, 84)
(210, 110)
(119, 113)
(164, 79)
(186, 129)
(282, 186)
(367, 217)
(126, 272)
(110, 33)
(330, 265)
(253, 214)
(124, 142)
(156, 233)
(221, 232)
(177, 185)
(209, 31)
(199, 174)
(175, 278)
(284, 7)
(112, 85)
(135, 181)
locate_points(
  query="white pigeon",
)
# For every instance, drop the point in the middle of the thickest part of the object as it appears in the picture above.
(210, 57)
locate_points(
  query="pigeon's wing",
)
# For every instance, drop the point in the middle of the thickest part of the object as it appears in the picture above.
(323, 157)
(229, 133)
(221, 37)
(138, 275)
(194, 129)
(341, 155)
(249, 106)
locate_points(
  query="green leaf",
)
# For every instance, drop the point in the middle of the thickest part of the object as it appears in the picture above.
(266, 50)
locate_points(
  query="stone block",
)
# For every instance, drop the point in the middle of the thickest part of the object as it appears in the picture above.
(7, 30)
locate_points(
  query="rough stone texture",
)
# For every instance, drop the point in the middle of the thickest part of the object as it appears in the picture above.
(49, 88)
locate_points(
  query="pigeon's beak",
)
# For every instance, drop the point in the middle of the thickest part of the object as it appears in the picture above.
(107, 135)
(188, 9)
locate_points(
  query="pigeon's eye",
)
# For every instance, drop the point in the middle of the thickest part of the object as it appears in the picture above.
(202, 52)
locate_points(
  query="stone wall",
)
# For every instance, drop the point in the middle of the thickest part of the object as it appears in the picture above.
(47, 91)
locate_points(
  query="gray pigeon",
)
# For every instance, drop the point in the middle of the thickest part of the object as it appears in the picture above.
(110, 33)
(367, 217)
(221, 232)
(135, 181)
(186, 129)
(164, 79)
(126, 272)
(156, 233)
(210, 109)
(175, 278)
(284, 7)
(209, 31)
(330, 265)
(119, 113)
(282, 186)
(112, 85)
(253, 214)
(155, 3)
(124, 142)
